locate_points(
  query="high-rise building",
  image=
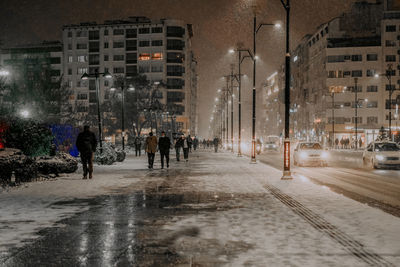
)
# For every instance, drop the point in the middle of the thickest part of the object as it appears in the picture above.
(160, 50)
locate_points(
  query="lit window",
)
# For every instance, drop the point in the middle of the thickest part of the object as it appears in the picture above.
(70, 59)
(144, 56)
(157, 56)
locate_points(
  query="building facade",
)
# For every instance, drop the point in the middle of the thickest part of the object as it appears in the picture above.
(347, 66)
(160, 50)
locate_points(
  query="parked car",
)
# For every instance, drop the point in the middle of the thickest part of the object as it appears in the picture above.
(382, 154)
(310, 153)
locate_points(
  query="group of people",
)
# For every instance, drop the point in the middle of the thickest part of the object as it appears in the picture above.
(345, 143)
(86, 144)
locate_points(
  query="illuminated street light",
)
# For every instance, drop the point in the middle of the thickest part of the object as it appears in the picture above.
(25, 113)
(231, 51)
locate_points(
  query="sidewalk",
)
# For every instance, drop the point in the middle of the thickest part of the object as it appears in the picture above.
(244, 214)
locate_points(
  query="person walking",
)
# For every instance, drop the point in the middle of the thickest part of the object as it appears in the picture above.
(216, 143)
(86, 144)
(190, 142)
(138, 145)
(186, 147)
(164, 145)
(195, 143)
(178, 145)
(151, 148)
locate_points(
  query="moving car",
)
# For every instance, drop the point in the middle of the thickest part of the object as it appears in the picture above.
(382, 154)
(310, 153)
(271, 146)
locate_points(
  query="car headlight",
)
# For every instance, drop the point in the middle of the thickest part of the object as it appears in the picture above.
(303, 155)
(379, 157)
(324, 155)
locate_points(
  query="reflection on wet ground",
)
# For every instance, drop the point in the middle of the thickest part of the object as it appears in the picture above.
(121, 230)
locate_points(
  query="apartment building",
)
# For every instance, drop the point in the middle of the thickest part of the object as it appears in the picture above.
(161, 50)
(343, 68)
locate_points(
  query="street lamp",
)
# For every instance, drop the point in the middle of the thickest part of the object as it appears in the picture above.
(96, 75)
(286, 160)
(132, 89)
(25, 113)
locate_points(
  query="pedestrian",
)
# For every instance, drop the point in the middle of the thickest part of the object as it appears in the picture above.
(190, 142)
(186, 147)
(164, 145)
(336, 143)
(359, 143)
(86, 144)
(138, 145)
(151, 148)
(216, 143)
(178, 145)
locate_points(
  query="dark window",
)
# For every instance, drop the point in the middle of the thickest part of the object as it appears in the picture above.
(118, 44)
(175, 31)
(175, 70)
(356, 73)
(131, 45)
(69, 34)
(391, 72)
(131, 58)
(118, 32)
(372, 57)
(144, 69)
(175, 97)
(105, 32)
(94, 59)
(131, 33)
(92, 97)
(175, 57)
(93, 70)
(94, 47)
(333, 59)
(92, 84)
(144, 43)
(131, 70)
(356, 58)
(55, 73)
(175, 44)
(106, 45)
(119, 70)
(390, 87)
(94, 35)
(105, 57)
(157, 43)
(69, 46)
(81, 46)
(371, 73)
(359, 88)
(175, 83)
(387, 104)
(372, 88)
(69, 71)
(157, 68)
(390, 58)
(157, 30)
(390, 28)
(118, 57)
(144, 30)
(55, 60)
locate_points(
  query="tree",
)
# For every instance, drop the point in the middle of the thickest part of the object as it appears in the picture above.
(140, 104)
(40, 90)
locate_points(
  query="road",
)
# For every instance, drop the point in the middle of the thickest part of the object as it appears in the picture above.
(346, 175)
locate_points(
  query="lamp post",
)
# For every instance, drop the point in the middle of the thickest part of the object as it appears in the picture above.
(130, 88)
(96, 75)
(333, 118)
(239, 80)
(253, 127)
(286, 160)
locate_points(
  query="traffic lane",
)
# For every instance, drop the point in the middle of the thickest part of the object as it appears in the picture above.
(378, 188)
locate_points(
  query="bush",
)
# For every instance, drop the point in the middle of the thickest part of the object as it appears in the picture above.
(108, 157)
(32, 138)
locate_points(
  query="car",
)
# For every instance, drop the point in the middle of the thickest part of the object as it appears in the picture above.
(310, 153)
(382, 154)
(271, 146)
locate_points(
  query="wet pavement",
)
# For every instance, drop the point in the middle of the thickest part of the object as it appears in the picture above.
(208, 212)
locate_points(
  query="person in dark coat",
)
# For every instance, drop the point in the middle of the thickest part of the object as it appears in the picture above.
(216, 143)
(164, 145)
(186, 147)
(86, 144)
(178, 146)
(138, 146)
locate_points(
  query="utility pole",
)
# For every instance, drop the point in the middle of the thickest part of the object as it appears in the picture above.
(356, 114)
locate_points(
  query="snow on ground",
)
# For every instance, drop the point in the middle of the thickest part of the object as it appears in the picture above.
(26, 209)
(275, 236)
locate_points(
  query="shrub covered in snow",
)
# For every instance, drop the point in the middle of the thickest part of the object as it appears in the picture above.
(61, 163)
(107, 157)
(120, 155)
(31, 137)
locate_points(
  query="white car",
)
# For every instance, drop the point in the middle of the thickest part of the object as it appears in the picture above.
(382, 154)
(310, 153)
(271, 146)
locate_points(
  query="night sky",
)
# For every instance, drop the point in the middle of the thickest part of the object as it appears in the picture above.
(218, 26)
